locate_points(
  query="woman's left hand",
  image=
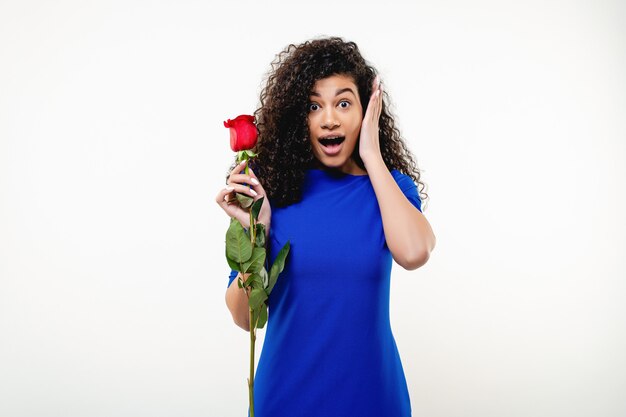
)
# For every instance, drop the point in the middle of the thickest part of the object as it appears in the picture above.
(369, 146)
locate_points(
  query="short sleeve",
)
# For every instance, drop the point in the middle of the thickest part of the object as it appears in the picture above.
(233, 275)
(408, 187)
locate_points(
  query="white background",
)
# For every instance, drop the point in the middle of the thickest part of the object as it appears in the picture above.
(112, 150)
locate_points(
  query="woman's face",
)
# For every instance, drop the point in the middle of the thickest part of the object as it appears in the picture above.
(334, 111)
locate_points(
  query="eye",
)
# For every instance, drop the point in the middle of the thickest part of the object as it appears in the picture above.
(311, 105)
(344, 101)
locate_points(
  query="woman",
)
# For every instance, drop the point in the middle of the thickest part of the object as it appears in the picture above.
(341, 187)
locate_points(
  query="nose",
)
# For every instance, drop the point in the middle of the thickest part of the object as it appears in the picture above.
(330, 120)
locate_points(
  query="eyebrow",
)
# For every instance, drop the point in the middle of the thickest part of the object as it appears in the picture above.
(343, 90)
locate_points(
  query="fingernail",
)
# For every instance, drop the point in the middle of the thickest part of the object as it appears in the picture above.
(254, 181)
(253, 192)
(229, 188)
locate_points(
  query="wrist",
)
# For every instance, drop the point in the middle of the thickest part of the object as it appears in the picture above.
(372, 160)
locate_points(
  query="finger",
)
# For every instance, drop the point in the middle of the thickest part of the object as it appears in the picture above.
(375, 99)
(251, 172)
(253, 175)
(242, 189)
(380, 100)
(369, 112)
(372, 108)
(236, 178)
(231, 206)
(239, 167)
(238, 170)
(258, 187)
(224, 195)
(246, 181)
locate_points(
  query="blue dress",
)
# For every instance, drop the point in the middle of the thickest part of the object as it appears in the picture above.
(329, 350)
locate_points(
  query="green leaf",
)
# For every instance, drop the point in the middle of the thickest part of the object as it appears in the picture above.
(264, 277)
(238, 247)
(250, 153)
(278, 265)
(256, 208)
(257, 296)
(262, 317)
(255, 262)
(233, 265)
(260, 235)
(244, 200)
(256, 281)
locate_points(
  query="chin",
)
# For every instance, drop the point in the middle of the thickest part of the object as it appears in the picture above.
(330, 162)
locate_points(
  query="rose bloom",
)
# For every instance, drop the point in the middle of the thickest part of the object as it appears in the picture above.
(243, 132)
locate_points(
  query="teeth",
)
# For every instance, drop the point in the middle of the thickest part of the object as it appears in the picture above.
(333, 140)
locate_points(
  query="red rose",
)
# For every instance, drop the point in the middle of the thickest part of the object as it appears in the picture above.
(243, 133)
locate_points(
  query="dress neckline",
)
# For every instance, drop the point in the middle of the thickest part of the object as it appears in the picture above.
(334, 174)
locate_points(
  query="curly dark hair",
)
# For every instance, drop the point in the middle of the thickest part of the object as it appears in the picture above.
(283, 146)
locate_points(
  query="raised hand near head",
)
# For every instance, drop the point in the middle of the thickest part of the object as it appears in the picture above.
(369, 142)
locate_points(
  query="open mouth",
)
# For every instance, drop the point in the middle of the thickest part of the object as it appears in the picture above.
(332, 146)
(330, 142)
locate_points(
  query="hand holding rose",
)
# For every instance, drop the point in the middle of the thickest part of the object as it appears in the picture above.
(238, 183)
(243, 137)
(246, 238)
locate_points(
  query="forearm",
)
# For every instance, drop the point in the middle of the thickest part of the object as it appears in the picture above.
(236, 298)
(237, 303)
(408, 234)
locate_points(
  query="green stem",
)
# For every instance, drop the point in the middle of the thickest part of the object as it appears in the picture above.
(252, 324)
(251, 380)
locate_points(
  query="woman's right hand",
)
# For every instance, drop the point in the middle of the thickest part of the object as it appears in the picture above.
(228, 202)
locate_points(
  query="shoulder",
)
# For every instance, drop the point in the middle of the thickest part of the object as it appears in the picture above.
(408, 187)
(403, 180)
